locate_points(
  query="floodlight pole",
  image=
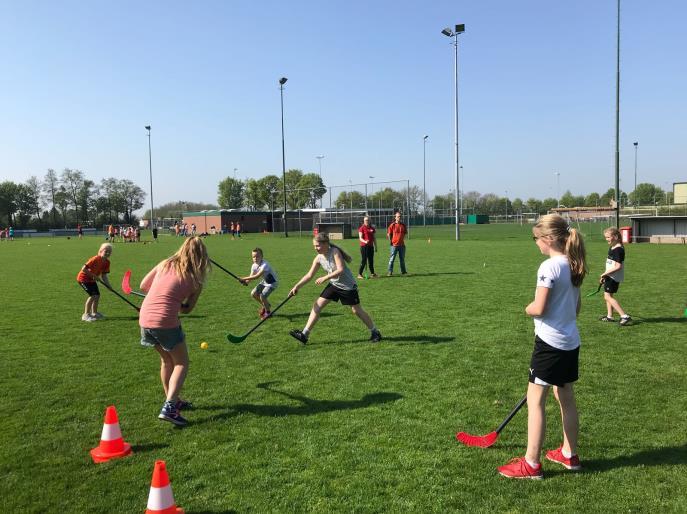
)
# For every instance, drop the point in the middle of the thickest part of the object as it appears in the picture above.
(617, 125)
(635, 195)
(150, 170)
(424, 181)
(459, 29)
(282, 81)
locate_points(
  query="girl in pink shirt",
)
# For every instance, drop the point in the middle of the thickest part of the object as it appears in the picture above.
(173, 286)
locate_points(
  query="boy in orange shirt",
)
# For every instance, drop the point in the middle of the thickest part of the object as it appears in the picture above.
(97, 267)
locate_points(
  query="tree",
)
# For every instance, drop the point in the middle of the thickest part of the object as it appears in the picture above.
(312, 189)
(62, 203)
(133, 197)
(350, 200)
(9, 192)
(255, 198)
(517, 205)
(271, 187)
(547, 204)
(533, 205)
(295, 199)
(645, 194)
(50, 187)
(230, 193)
(592, 200)
(72, 181)
(33, 192)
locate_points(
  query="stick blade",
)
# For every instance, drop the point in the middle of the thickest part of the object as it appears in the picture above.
(482, 441)
(126, 282)
(235, 339)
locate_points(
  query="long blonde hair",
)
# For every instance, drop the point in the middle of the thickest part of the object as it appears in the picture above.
(190, 261)
(324, 238)
(567, 240)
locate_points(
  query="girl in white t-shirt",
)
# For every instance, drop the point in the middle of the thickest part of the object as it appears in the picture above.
(556, 345)
(261, 269)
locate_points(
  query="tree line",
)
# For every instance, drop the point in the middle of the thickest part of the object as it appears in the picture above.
(67, 199)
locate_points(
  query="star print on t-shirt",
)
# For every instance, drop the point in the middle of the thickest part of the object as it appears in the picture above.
(543, 279)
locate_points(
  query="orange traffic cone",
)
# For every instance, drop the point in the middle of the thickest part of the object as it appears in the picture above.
(161, 499)
(112, 446)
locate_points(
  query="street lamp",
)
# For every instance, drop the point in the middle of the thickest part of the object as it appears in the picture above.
(372, 191)
(459, 29)
(636, 145)
(319, 160)
(235, 170)
(282, 81)
(558, 188)
(424, 182)
(150, 169)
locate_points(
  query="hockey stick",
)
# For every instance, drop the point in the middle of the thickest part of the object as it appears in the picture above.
(594, 292)
(485, 441)
(126, 285)
(239, 339)
(228, 272)
(115, 292)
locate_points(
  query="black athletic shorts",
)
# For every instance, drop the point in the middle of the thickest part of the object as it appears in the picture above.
(346, 296)
(610, 285)
(553, 366)
(91, 288)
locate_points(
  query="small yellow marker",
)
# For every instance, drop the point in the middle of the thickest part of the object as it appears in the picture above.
(203, 346)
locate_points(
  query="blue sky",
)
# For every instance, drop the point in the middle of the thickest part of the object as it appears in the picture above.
(367, 80)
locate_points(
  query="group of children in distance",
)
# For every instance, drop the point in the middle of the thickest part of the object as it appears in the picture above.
(175, 284)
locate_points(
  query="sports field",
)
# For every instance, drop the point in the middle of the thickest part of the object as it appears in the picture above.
(341, 425)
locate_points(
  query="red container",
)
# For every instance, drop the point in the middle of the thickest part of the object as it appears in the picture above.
(626, 234)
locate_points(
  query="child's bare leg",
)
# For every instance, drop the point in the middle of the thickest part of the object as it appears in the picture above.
(179, 357)
(612, 303)
(364, 316)
(566, 399)
(317, 307)
(265, 303)
(166, 368)
(536, 421)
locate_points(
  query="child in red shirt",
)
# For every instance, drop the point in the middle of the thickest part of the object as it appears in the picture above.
(96, 268)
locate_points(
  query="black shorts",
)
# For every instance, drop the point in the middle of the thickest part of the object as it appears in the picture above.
(91, 288)
(553, 366)
(346, 296)
(610, 285)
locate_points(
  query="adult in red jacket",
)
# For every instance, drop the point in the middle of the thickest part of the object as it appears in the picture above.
(396, 234)
(368, 247)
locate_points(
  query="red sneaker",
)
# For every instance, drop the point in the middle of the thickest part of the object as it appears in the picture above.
(266, 314)
(261, 312)
(556, 455)
(519, 468)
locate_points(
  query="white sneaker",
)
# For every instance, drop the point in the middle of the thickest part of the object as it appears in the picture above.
(88, 317)
(97, 315)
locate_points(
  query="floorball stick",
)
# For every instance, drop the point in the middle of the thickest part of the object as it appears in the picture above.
(126, 285)
(485, 441)
(227, 271)
(138, 309)
(239, 339)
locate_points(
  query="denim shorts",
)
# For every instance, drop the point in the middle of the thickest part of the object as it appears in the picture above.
(167, 338)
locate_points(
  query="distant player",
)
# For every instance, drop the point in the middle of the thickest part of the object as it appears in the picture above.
(173, 286)
(368, 247)
(396, 233)
(555, 357)
(342, 287)
(96, 268)
(269, 281)
(613, 276)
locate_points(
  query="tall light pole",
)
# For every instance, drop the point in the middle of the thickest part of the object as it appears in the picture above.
(617, 125)
(506, 206)
(424, 181)
(558, 188)
(372, 191)
(150, 170)
(635, 195)
(462, 190)
(235, 170)
(319, 160)
(459, 29)
(282, 81)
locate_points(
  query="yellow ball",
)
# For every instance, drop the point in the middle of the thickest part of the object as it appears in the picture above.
(204, 345)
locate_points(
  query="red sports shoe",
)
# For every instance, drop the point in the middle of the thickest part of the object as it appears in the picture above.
(265, 314)
(556, 455)
(519, 468)
(261, 312)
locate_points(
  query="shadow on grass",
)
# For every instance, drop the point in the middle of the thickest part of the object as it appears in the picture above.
(308, 407)
(423, 339)
(146, 447)
(639, 321)
(117, 318)
(304, 315)
(230, 511)
(672, 455)
(414, 275)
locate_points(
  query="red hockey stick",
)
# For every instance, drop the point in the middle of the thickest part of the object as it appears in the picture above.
(485, 441)
(126, 285)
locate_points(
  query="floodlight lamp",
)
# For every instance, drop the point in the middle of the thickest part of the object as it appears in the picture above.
(636, 143)
(460, 29)
(447, 32)
(426, 138)
(283, 80)
(147, 127)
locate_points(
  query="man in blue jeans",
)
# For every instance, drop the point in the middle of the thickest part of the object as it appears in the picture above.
(396, 234)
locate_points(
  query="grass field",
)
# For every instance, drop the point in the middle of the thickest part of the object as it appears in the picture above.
(341, 425)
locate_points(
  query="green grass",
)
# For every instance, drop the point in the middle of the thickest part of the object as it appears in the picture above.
(340, 425)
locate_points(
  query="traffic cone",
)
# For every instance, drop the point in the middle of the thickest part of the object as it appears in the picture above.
(161, 498)
(112, 446)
